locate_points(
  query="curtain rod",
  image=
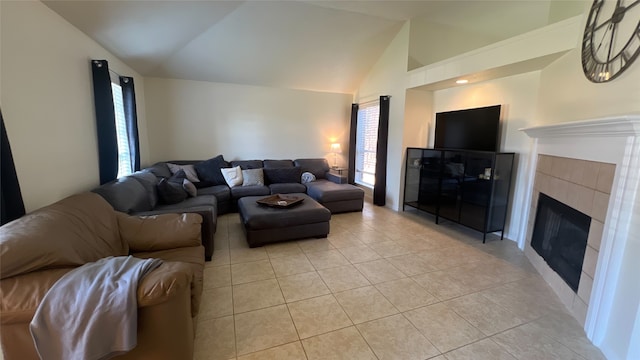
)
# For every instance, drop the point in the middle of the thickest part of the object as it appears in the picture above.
(99, 64)
(373, 100)
(369, 102)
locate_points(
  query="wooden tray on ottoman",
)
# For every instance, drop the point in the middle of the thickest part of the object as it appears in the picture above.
(280, 200)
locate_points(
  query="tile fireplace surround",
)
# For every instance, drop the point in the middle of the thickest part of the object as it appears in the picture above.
(594, 167)
(586, 187)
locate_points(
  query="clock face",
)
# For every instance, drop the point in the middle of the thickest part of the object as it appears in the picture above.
(611, 39)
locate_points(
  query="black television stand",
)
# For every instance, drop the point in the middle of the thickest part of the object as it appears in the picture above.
(471, 188)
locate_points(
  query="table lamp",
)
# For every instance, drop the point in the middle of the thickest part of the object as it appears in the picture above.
(335, 149)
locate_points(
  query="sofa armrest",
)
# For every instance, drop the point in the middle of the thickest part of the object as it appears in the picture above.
(164, 282)
(160, 232)
(333, 177)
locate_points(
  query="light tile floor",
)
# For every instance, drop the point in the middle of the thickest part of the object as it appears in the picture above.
(383, 285)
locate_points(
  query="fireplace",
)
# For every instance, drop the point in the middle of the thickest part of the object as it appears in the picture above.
(577, 186)
(560, 237)
(593, 166)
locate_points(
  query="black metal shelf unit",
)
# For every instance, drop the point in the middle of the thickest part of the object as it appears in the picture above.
(468, 187)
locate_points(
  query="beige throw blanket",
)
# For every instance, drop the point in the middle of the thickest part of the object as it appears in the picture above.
(91, 312)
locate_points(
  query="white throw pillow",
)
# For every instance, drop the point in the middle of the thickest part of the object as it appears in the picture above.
(189, 170)
(307, 177)
(233, 176)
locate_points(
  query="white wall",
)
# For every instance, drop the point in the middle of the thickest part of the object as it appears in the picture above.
(46, 96)
(198, 120)
(567, 95)
(518, 97)
(387, 77)
(431, 42)
(418, 116)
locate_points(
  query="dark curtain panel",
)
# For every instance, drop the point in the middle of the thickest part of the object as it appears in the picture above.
(12, 206)
(379, 189)
(105, 121)
(131, 117)
(351, 174)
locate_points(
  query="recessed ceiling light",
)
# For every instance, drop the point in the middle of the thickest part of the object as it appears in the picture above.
(462, 81)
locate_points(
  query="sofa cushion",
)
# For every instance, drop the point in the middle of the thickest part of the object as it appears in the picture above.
(282, 175)
(149, 181)
(125, 194)
(184, 206)
(318, 167)
(247, 164)
(171, 192)
(204, 205)
(209, 171)
(252, 177)
(287, 188)
(326, 191)
(160, 232)
(221, 192)
(71, 232)
(278, 163)
(242, 191)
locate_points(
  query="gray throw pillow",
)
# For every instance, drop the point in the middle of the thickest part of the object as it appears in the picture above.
(189, 188)
(252, 177)
(170, 192)
(189, 170)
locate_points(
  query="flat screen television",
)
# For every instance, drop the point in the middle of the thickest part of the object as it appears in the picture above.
(469, 129)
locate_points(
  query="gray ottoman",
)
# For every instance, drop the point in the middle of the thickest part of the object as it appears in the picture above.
(263, 224)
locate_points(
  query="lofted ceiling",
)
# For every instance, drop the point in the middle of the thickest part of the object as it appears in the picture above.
(314, 45)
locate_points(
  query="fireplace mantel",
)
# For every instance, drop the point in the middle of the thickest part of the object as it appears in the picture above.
(614, 308)
(625, 125)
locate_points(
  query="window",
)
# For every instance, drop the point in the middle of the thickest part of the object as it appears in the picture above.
(124, 154)
(366, 143)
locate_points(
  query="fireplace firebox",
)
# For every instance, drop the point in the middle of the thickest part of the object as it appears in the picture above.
(560, 238)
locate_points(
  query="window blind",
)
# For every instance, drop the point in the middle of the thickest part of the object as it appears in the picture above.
(124, 157)
(366, 143)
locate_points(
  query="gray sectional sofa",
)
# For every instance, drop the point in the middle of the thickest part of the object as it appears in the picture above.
(143, 193)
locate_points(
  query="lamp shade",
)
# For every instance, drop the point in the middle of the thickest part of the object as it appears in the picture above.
(335, 148)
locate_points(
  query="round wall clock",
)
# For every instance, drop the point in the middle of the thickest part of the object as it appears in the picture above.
(611, 39)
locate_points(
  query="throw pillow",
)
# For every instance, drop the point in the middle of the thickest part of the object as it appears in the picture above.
(171, 193)
(233, 176)
(189, 188)
(189, 170)
(308, 177)
(209, 171)
(178, 177)
(282, 175)
(252, 177)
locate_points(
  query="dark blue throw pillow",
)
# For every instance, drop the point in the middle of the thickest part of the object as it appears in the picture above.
(171, 192)
(178, 177)
(282, 175)
(209, 172)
